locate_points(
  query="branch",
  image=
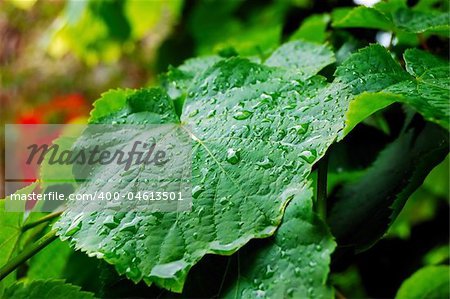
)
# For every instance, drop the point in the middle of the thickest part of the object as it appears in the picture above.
(27, 253)
(41, 220)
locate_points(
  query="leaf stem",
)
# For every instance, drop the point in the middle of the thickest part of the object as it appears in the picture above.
(41, 220)
(322, 177)
(423, 42)
(27, 253)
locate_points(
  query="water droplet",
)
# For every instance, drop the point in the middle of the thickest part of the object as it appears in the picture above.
(109, 222)
(233, 156)
(211, 113)
(242, 114)
(201, 211)
(290, 106)
(297, 271)
(131, 226)
(290, 292)
(197, 190)
(266, 163)
(193, 113)
(269, 271)
(223, 200)
(308, 156)
(75, 226)
(260, 294)
(133, 273)
(266, 97)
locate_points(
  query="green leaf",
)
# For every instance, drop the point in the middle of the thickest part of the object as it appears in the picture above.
(234, 106)
(312, 29)
(429, 93)
(292, 264)
(55, 289)
(372, 69)
(10, 223)
(278, 123)
(424, 204)
(392, 16)
(307, 58)
(437, 255)
(110, 102)
(409, 20)
(225, 29)
(50, 262)
(438, 181)
(362, 17)
(177, 80)
(365, 105)
(387, 184)
(430, 282)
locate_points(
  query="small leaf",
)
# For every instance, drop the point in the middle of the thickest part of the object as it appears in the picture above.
(393, 16)
(372, 69)
(365, 17)
(431, 282)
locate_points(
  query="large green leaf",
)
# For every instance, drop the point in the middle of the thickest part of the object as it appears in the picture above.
(250, 136)
(55, 289)
(292, 264)
(256, 132)
(393, 16)
(431, 282)
(386, 185)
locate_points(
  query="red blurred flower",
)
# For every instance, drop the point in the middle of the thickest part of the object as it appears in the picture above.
(59, 110)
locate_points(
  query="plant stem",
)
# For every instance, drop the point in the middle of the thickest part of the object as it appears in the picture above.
(322, 176)
(41, 220)
(27, 253)
(423, 42)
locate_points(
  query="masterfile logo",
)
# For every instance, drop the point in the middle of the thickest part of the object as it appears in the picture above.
(105, 164)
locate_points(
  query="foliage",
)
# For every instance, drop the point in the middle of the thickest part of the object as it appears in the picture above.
(271, 111)
(428, 282)
(46, 289)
